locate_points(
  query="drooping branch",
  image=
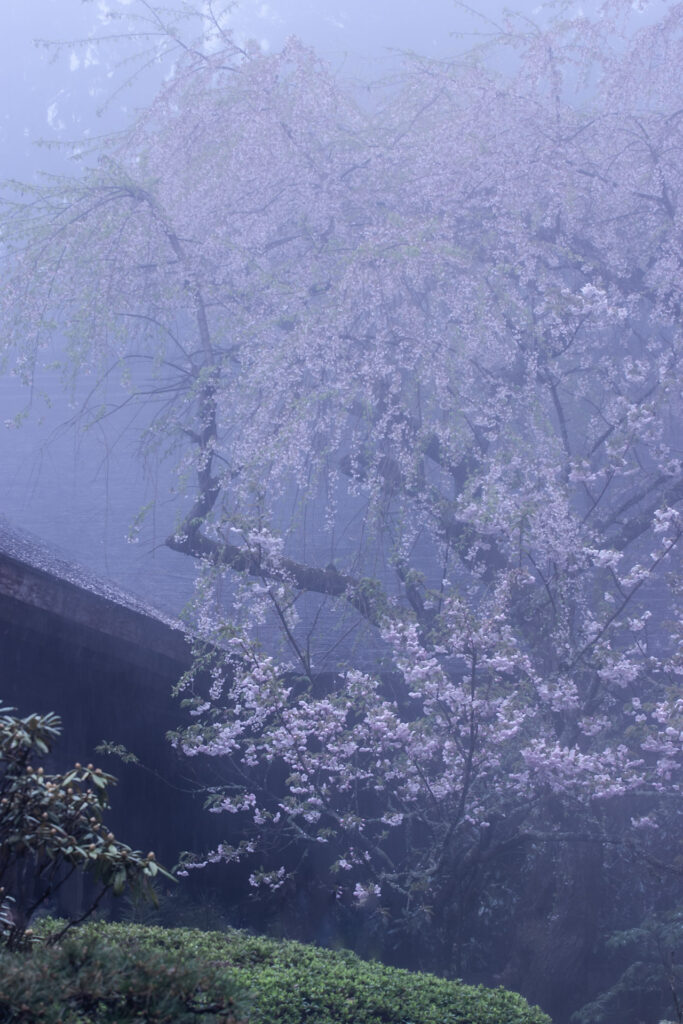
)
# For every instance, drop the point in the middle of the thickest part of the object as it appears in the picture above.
(470, 543)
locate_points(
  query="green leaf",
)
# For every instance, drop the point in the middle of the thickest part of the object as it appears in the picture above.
(119, 881)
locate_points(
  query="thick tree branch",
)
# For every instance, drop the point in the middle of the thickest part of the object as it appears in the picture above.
(363, 595)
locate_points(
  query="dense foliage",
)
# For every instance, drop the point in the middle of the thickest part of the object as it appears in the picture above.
(51, 826)
(118, 972)
(651, 956)
(101, 975)
(419, 360)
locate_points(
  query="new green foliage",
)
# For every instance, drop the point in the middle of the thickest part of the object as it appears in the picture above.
(292, 983)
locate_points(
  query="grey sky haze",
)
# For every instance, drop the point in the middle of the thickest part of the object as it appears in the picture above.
(57, 99)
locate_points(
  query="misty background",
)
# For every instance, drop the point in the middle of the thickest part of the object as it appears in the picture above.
(78, 490)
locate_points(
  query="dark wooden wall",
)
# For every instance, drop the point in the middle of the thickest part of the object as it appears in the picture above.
(108, 672)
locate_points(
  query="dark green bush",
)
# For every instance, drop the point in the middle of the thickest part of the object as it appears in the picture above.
(51, 826)
(291, 983)
(651, 976)
(96, 976)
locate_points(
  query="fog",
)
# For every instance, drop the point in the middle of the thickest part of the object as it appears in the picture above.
(83, 492)
(353, 333)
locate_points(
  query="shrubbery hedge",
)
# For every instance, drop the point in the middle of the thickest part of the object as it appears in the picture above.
(287, 983)
(94, 976)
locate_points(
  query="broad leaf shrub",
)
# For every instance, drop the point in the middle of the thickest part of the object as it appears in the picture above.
(292, 983)
(51, 826)
(96, 976)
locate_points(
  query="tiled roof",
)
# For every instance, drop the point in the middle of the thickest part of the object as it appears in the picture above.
(35, 575)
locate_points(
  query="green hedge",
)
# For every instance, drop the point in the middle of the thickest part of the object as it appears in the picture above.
(291, 983)
(91, 976)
